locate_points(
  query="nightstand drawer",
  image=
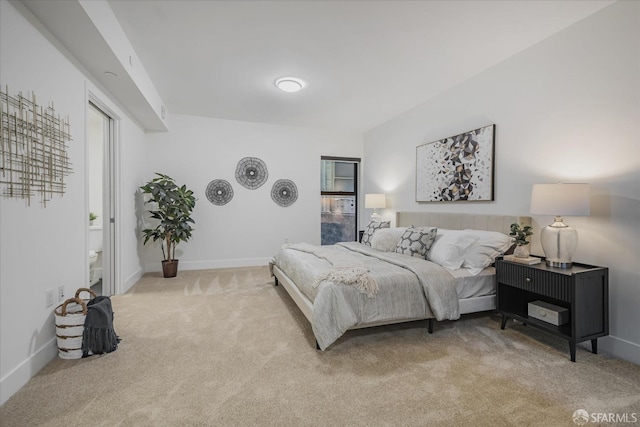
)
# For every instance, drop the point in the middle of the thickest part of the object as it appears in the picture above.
(550, 284)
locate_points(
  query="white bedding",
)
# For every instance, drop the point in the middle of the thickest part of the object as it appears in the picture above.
(472, 285)
(408, 288)
(469, 285)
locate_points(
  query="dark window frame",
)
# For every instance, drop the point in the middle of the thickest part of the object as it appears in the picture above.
(355, 193)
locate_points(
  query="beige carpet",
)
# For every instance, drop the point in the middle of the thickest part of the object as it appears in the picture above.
(227, 348)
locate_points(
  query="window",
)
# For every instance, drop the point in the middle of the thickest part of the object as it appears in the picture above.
(339, 192)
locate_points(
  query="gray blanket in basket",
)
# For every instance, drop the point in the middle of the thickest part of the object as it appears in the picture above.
(99, 336)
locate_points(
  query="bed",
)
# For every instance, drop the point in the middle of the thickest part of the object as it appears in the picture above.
(354, 285)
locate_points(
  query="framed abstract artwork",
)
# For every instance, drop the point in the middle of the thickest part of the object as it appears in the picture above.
(457, 168)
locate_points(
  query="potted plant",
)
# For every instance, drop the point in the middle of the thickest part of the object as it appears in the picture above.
(92, 218)
(171, 205)
(520, 234)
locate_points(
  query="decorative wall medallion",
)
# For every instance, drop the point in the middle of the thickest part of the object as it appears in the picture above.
(284, 192)
(251, 172)
(219, 192)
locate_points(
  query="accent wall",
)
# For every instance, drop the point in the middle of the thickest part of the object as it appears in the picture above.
(566, 109)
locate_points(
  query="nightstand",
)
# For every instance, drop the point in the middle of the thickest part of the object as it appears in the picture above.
(582, 289)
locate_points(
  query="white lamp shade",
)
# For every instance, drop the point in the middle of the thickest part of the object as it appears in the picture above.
(560, 199)
(375, 201)
(558, 240)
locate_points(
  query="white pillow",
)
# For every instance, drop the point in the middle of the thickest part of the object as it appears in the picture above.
(386, 239)
(477, 258)
(493, 239)
(448, 248)
(483, 252)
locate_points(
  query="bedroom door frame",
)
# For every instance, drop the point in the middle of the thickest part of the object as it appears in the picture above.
(111, 284)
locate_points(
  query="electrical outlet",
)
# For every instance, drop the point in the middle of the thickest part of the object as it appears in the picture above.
(49, 297)
(60, 293)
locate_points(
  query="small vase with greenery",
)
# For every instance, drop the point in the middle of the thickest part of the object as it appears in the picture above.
(520, 234)
(92, 217)
(172, 206)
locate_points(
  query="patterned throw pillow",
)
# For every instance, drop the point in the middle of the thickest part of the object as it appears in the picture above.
(371, 228)
(416, 241)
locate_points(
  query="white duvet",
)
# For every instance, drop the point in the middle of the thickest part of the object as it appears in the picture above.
(407, 287)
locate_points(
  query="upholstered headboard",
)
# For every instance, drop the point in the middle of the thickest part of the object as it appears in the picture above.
(460, 221)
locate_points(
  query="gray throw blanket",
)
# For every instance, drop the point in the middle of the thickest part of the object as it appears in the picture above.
(347, 268)
(99, 336)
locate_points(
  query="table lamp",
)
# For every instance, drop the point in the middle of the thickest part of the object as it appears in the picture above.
(559, 241)
(375, 201)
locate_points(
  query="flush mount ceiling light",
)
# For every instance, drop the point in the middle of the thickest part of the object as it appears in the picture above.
(290, 84)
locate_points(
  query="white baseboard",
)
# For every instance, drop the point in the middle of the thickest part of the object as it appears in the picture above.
(208, 265)
(131, 280)
(619, 348)
(16, 379)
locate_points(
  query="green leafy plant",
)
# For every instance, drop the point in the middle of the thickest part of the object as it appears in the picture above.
(92, 216)
(521, 233)
(172, 206)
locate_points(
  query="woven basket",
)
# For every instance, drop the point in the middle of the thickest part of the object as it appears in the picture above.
(70, 316)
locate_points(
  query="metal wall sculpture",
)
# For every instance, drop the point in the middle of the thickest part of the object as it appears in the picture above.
(219, 192)
(251, 172)
(284, 192)
(33, 151)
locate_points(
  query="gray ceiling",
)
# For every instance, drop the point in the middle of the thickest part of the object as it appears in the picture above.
(364, 61)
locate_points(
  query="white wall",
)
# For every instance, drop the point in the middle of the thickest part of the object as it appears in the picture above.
(566, 109)
(575, 94)
(95, 161)
(43, 248)
(249, 229)
(132, 155)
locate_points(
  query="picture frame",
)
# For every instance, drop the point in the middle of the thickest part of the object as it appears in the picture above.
(457, 168)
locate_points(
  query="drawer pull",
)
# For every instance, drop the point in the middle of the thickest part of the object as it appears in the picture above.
(527, 280)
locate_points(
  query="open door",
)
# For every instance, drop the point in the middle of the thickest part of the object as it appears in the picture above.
(100, 147)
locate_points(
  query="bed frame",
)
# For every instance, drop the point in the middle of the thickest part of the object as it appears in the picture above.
(452, 221)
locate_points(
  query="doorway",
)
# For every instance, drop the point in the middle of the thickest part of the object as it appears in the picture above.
(100, 163)
(339, 193)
